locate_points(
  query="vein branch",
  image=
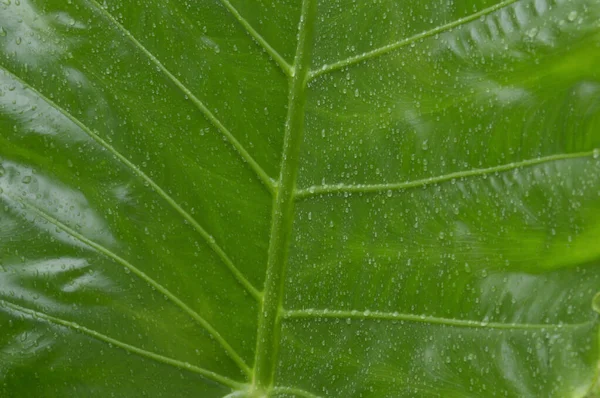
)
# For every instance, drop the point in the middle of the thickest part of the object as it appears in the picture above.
(245, 155)
(127, 347)
(161, 192)
(275, 56)
(404, 42)
(295, 391)
(371, 188)
(395, 316)
(143, 276)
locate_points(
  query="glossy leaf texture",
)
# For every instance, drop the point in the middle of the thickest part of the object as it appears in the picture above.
(299, 198)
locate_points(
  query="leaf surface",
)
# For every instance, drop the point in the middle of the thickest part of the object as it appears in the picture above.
(299, 198)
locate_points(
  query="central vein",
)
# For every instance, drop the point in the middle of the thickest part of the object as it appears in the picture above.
(283, 210)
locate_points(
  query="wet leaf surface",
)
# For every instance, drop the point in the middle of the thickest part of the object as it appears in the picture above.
(299, 198)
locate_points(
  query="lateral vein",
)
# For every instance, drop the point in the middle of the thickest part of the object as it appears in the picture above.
(296, 391)
(371, 188)
(404, 42)
(210, 241)
(395, 316)
(275, 56)
(245, 155)
(143, 276)
(127, 347)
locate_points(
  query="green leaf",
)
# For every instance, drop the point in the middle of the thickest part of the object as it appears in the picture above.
(299, 198)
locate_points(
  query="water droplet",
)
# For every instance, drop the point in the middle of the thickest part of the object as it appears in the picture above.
(572, 16)
(211, 44)
(2, 32)
(2, 170)
(595, 154)
(532, 32)
(26, 180)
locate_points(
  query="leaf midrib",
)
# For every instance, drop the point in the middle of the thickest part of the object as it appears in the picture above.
(267, 338)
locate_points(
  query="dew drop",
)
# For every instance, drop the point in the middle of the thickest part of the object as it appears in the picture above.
(532, 32)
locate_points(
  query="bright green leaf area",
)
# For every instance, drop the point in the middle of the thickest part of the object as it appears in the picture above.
(299, 198)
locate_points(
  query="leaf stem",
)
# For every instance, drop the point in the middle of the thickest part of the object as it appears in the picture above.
(283, 205)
